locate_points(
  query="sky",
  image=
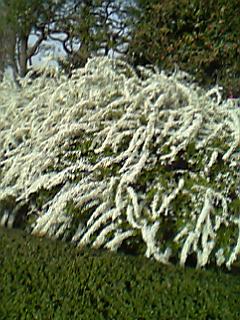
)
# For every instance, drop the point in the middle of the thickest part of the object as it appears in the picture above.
(54, 49)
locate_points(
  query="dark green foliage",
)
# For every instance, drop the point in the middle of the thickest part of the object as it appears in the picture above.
(201, 37)
(43, 279)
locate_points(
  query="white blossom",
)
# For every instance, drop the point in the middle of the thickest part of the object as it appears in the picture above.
(105, 155)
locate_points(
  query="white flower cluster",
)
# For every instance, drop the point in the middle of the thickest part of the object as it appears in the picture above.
(109, 156)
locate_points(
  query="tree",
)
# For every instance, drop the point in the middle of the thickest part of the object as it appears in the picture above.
(201, 37)
(95, 27)
(84, 28)
(20, 19)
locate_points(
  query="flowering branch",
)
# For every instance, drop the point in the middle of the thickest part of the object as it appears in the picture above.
(108, 158)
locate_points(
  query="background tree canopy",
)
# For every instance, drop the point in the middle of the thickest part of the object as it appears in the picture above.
(20, 19)
(83, 28)
(200, 37)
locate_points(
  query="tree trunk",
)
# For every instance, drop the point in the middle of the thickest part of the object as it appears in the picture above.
(23, 46)
(8, 51)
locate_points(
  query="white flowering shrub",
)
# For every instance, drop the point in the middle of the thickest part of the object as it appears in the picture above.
(108, 158)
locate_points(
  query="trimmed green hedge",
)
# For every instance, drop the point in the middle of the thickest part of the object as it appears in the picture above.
(45, 279)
